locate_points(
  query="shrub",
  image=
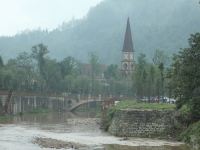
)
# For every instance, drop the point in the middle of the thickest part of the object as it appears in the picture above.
(195, 108)
(192, 135)
(106, 118)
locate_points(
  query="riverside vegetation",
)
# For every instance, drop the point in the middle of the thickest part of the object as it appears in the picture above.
(183, 128)
(131, 105)
(36, 72)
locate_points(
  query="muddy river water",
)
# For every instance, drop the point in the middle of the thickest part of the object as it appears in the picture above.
(21, 131)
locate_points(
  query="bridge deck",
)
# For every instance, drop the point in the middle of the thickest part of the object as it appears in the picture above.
(82, 103)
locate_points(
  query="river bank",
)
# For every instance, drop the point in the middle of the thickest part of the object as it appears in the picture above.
(67, 127)
(137, 119)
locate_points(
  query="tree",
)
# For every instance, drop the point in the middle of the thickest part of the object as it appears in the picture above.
(1, 72)
(68, 66)
(151, 81)
(160, 60)
(69, 83)
(21, 69)
(112, 76)
(82, 84)
(1, 62)
(95, 69)
(53, 76)
(140, 76)
(112, 72)
(25, 68)
(185, 75)
(38, 53)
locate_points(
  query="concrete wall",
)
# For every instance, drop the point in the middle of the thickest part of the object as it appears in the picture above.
(21, 104)
(142, 123)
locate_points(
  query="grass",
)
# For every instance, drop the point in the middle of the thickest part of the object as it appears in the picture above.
(40, 110)
(133, 104)
(5, 119)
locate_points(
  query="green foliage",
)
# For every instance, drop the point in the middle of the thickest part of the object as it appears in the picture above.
(160, 58)
(140, 76)
(185, 76)
(195, 107)
(192, 135)
(184, 118)
(95, 65)
(68, 66)
(149, 78)
(184, 110)
(38, 73)
(1, 62)
(112, 72)
(95, 69)
(106, 118)
(82, 84)
(103, 29)
(40, 110)
(133, 104)
(5, 119)
(38, 53)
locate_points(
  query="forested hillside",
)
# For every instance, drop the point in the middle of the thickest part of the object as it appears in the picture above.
(156, 24)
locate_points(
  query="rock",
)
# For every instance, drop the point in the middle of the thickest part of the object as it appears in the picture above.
(124, 139)
(57, 144)
(99, 148)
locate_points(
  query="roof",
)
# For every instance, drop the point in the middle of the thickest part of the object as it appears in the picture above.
(128, 41)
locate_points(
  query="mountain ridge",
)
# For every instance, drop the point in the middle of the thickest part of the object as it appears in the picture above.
(155, 24)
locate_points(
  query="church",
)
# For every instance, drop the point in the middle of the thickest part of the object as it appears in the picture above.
(127, 61)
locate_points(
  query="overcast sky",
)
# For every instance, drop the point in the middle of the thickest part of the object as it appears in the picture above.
(19, 15)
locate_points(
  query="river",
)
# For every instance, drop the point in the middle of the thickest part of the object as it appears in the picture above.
(21, 131)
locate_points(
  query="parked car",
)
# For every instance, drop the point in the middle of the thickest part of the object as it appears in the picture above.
(169, 100)
(145, 99)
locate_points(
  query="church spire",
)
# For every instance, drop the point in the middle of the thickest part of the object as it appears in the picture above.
(128, 41)
(127, 63)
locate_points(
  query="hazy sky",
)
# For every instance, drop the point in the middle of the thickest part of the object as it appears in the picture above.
(18, 15)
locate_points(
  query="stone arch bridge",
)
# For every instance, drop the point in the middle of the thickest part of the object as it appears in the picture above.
(21, 102)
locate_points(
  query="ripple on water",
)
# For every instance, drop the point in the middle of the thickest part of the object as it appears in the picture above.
(121, 147)
(67, 127)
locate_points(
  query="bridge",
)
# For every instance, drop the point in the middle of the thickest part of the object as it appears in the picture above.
(105, 103)
(83, 102)
(20, 102)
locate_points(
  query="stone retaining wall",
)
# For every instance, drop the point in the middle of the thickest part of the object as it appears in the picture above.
(142, 123)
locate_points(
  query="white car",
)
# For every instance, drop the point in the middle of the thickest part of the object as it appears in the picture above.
(170, 100)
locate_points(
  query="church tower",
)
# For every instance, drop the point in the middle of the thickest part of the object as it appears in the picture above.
(127, 63)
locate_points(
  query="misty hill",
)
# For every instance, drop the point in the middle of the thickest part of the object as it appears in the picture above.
(156, 24)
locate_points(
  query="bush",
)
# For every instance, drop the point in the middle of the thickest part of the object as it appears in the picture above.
(106, 118)
(185, 116)
(192, 135)
(195, 108)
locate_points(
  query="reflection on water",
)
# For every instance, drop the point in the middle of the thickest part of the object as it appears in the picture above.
(60, 122)
(120, 147)
(52, 117)
(80, 128)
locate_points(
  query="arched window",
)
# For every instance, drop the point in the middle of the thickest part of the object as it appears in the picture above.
(132, 66)
(125, 66)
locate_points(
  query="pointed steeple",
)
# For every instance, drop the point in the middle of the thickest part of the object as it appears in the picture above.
(128, 41)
